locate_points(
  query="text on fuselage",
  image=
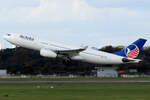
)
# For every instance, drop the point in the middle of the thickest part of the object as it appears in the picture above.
(27, 38)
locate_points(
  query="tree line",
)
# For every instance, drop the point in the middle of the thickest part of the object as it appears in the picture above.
(24, 61)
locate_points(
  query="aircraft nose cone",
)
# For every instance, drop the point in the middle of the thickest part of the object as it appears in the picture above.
(5, 37)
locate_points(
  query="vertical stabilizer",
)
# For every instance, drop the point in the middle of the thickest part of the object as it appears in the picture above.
(133, 50)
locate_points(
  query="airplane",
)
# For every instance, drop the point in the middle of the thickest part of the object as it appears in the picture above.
(91, 55)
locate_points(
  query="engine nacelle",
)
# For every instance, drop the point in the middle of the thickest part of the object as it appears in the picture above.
(48, 53)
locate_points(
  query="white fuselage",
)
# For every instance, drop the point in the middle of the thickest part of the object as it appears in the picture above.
(89, 55)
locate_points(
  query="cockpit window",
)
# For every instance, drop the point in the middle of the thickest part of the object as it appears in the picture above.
(9, 34)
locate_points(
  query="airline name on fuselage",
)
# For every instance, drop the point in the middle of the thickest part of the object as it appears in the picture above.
(27, 38)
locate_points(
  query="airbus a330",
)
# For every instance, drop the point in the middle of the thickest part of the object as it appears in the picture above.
(56, 50)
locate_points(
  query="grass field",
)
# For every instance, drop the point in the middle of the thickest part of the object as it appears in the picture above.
(75, 91)
(77, 78)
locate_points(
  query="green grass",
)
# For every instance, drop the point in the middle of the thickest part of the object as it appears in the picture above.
(78, 78)
(76, 91)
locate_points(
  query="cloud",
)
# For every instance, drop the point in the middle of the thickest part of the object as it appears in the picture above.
(83, 11)
(59, 11)
(51, 11)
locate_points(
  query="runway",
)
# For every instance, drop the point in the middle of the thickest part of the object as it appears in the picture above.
(75, 81)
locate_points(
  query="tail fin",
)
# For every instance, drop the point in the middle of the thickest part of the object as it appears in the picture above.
(133, 50)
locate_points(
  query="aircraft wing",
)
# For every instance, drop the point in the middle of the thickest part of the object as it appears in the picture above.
(71, 52)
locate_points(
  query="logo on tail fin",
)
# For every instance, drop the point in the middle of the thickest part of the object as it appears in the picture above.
(132, 51)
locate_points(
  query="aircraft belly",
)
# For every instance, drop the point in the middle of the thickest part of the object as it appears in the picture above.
(91, 58)
(100, 59)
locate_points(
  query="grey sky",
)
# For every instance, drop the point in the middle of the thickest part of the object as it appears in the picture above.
(77, 22)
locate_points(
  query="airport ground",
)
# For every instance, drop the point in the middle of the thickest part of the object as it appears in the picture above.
(74, 91)
(34, 79)
(63, 78)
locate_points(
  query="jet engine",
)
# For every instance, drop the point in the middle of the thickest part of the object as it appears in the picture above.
(48, 53)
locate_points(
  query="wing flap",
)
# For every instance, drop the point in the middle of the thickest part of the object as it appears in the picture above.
(71, 52)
